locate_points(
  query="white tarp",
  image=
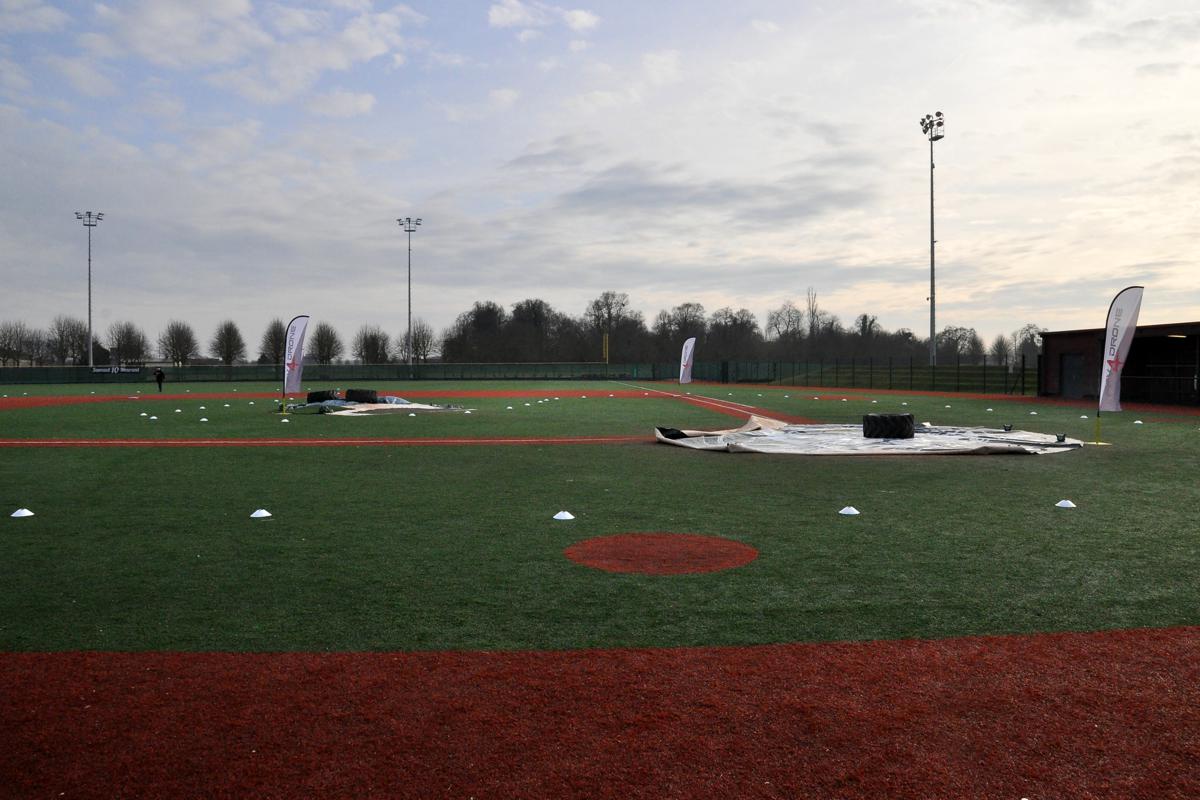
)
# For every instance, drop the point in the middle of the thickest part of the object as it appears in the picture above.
(765, 435)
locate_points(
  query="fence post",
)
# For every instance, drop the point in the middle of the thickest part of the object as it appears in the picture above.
(985, 373)
(910, 373)
(889, 372)
(958, 372)
(1022, 374)
(837, 374)
(853, 381)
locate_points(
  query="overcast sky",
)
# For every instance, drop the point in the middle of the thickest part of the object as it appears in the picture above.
(251, 158)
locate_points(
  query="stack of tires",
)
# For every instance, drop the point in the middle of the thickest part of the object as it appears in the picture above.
(888, 426)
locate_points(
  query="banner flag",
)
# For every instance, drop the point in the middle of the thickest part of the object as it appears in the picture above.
(685, 361)
(293, 359)
(1118, 336)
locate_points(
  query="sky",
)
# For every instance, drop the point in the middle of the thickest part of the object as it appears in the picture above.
(251, 159)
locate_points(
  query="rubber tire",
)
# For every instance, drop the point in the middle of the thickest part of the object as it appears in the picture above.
(888, 426)
(362, 396)
(322, 396)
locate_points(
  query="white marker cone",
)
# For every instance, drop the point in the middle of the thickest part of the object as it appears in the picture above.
(468, 411)
(179, 411)
(1064, 504)
(564, 515)
(227, 405)
(262, 513)
(251, 402)
(509, 408)
(204, 419)
(412, 415)
(152, 417)
(1137, 422)
(873, 402)
(527, 404)
(202, 408)
(989, 409)
(1084, 416)
(849, 511)
(22, 512)
(904, 404)
(285, 420)
(1033, 413)
(143, 414)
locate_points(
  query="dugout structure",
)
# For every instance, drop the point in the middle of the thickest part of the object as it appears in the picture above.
(1163, 364)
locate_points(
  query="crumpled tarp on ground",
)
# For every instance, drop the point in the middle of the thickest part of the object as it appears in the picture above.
(388, 404)
(765, 435)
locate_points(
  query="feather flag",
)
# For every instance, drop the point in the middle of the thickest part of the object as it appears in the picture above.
(1118, 336)
(685, 361)
(293, 360)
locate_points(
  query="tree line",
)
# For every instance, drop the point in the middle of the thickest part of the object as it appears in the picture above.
(531, 331)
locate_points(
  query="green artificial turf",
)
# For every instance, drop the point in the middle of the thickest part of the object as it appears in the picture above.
(399, 548)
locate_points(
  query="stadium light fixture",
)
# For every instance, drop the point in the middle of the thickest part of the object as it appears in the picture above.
(410, 226)
(90, 221)
(934, 127)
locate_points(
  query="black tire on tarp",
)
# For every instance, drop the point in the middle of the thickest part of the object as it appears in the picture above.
(888, 426)
(322, 396)
(362, 396)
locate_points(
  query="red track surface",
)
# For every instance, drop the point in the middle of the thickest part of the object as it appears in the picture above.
(1097, 715)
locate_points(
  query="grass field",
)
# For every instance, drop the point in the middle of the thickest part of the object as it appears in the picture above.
(400, 549)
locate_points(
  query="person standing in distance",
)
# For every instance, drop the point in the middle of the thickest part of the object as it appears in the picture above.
(159, 375)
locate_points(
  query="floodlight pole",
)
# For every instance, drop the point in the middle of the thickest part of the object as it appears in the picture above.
(89, 221)
(932, 126)
(410, 227)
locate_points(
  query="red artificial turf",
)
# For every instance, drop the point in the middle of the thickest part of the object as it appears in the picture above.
(660, 553)
(1090, 715)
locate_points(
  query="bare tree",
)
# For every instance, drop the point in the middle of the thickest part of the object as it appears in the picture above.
(1001, 349)
(812, 312)
(177, 343)
(14, 341)
(326, 343)
(67, 339)
(371, 345)
(866, 325)
(274, 342)
(785, 322)
(37, 348)
(422, 342)
(1026, 341)
(127, 342)
(227, 343)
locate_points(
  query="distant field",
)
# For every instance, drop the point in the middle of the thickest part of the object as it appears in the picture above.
(400, 548)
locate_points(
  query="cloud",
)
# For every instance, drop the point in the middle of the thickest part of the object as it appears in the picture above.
(662, 68)
(30, 16)
(498, 100)
(655, 191)
(578, 45)
(1155, 33)
(580, 20)
(1160, 70)
(529, 16)
(764, 26)
(13, 78)
(289, 68)
(86, 75)
(183, 33)
(341, 103)
(501, 99)
(515, 14)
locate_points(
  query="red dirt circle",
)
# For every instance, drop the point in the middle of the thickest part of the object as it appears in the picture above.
(660, 553)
